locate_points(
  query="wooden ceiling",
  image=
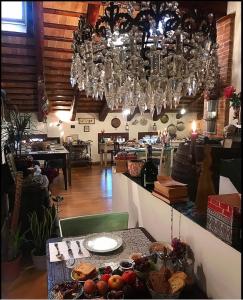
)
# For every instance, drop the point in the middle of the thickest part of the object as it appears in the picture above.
(46, 54)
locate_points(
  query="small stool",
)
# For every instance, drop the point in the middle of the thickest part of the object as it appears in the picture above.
(58, 199)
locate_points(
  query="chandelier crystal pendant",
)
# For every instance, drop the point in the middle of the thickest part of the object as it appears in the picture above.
(145, 54)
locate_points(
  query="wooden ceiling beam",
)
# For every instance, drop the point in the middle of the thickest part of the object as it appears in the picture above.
(57, 92)
(14, 46)
(39, 50)
(18, 69)
(58, 49)
(61, 86)
(25, 91)
(53, 59)
(73, 109)
(103, 112)
(131, 116)
(58, 38)
(156, 116)
(60, 26)
(61, 12)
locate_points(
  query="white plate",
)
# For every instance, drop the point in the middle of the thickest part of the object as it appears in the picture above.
(102, 242)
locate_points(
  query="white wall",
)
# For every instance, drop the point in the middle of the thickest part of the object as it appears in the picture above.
(65, 129)
(235, 7)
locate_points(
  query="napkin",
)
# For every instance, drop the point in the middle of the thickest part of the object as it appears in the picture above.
(63, 248)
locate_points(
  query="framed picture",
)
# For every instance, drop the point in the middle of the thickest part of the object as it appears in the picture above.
(86, 120)
(86, 128)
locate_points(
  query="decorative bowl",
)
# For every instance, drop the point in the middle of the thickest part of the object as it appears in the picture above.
(126, 264)
(135, 167)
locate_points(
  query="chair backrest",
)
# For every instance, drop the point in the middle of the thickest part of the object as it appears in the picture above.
(83, 225)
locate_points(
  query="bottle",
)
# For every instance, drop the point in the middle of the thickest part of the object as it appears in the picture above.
(149, 171)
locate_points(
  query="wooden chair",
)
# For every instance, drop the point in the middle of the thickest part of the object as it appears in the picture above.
(83, 225)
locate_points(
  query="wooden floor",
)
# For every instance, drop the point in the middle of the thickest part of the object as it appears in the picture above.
(91, 192)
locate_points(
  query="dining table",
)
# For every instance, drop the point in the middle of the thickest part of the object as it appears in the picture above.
(134, 240)
(55, 152)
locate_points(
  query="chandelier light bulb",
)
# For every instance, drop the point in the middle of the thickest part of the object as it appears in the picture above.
(132, 61)
(126, 112)
(183, 111)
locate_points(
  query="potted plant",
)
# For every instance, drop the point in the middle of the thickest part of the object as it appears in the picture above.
(42, 228)
(12, 242)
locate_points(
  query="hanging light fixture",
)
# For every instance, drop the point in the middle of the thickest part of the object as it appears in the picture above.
(145, 54)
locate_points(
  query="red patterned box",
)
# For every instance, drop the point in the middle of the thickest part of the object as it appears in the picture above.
(224, 217)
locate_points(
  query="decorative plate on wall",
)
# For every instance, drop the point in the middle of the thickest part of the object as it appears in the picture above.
(180, 126)
(164, 119)
(115, 122)
(172, 129)
(143, 121)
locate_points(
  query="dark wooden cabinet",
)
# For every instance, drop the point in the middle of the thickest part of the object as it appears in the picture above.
(80, 154)
(113, 136)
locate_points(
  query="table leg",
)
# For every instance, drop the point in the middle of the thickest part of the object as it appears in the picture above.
(64, 169)
(101, 158)
(105, 159)
(69, 171)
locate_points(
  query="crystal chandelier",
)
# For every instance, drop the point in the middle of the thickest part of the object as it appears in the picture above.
(147, 54)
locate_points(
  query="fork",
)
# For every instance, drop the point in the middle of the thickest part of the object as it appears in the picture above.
(80, 252)
(58, 255)
(70, 251)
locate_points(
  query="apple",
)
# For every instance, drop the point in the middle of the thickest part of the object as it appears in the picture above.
(89, 287)
(105, 277)
(102, 287)
(129, 277)
(115, 282)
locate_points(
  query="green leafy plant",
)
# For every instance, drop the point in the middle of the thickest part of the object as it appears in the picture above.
(42, 228)
(16, 240)
(16, 129)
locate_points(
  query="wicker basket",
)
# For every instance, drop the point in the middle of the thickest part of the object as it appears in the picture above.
(40, 146)
(121, 165)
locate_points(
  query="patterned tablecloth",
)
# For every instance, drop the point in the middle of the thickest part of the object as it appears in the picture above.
(134, 240)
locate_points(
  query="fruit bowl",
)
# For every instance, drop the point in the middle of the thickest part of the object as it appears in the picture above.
(67, 289)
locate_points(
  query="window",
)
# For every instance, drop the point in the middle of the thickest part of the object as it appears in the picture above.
(14, 16)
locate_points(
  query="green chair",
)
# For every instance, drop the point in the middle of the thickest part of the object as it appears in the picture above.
(83, 225)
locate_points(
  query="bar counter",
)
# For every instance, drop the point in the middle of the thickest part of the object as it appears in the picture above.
(217, 265)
